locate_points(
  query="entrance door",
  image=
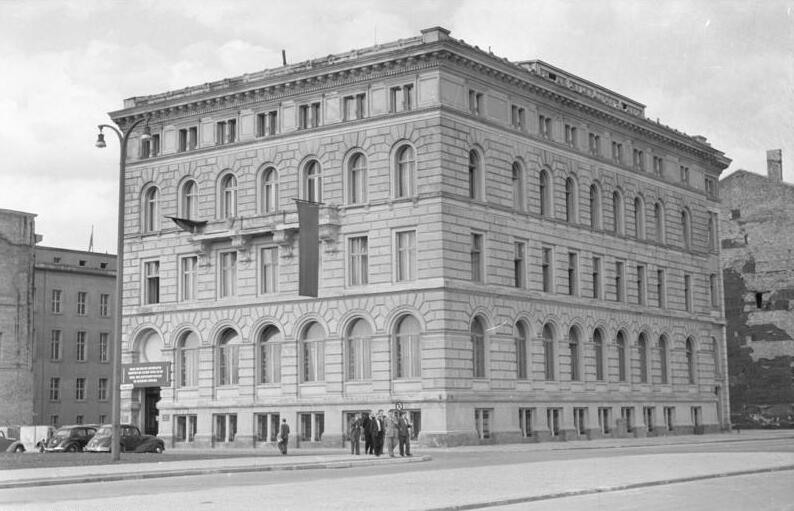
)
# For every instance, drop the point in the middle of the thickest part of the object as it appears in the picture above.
(150, 398)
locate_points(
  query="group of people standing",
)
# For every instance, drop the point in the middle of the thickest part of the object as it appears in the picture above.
(377, 429)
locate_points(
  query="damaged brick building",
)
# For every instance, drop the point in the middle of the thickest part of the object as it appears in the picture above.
(757, 234)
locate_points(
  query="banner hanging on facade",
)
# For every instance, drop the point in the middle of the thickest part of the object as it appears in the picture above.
(308, 247)
(147, 374)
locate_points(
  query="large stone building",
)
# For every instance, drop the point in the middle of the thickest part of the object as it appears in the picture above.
(508, 251)
(73, 320)
(757, 231)
(17, 243)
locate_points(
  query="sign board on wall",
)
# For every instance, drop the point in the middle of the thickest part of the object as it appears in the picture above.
(149, 374)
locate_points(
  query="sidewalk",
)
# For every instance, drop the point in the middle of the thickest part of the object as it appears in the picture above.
(243, 461)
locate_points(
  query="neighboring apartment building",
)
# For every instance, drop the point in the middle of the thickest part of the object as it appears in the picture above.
(17, 242)
(509, 252)
(73, 319)
(757, 232)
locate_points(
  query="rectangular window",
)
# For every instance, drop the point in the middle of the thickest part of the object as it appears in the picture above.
(102, 389)
(475, 102)
(185, 427)
(648, 417)
(619, 282)
(597, 277)
(688, 293)
(482, 422)
(354, 107)
(189, 278)
(269, 269)
(401, 98)
(406, 256)
(312, 426)
(684, 170)
(658, 165)
(103, 419)
(605, 420)
(188, 139)
(224, 427)
(309, 115)
(544, 126)
(267, 427)
(526, 419)
(80, 347)
(547, 269)
(627, 416)
(151, 282)
(475, 252)
(55, 307)
(639, 159)
(517, 117)
(225, 132)
(358, 266)
(573, 274)
(714, 291)
(617, 152)
(580, 421)
(104, 301)
(595, 144)
(571, 136)
(267, 123)
(553, 421)
(103, 347)
(669, 417)
(519, 277)
(711, 187)
(661, 293)
(641, 300)
(78, 419)
(79, 389)
(82, 297)
(55, 345)
(228, 274)
(55, 389)
(154, 146)
(54, 421)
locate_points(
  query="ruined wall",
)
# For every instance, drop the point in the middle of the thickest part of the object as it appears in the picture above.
(757, 232)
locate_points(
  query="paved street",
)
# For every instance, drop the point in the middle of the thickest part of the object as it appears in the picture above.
(624, 474)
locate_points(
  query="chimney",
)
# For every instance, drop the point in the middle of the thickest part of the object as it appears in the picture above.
(774, 165)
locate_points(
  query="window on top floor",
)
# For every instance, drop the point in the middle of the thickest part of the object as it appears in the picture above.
(594, 144)
(267, 123)
(639, 159)
(401, 98)
(150, 147)
(476, 102)
(658, 165)
(309, 115)
(225, 132)
(711, 232)
(188, 139)
(518, 117)
(711, 187)
(617, 152)
(544, 126)
(571, 136)
(354, 107)
(684, 172)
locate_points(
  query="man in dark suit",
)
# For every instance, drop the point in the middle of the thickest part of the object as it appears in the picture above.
(355, 435)
(365, 424)
(283, 436)
(376, 429)
(404, 433)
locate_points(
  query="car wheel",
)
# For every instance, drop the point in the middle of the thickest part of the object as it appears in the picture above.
(19, 448)
(71, 448)
(158, 449)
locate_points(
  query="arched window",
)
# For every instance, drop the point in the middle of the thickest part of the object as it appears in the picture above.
(663, 358)
(570, 200)
(478, 348)
(269, 346)
(357, 179)
(639, 218)
(620, 343)
(642, 348)
(690, 360)
(574, 348)
(187, 359)
(404, 176)
(518, 187)
(229, 196)
(151, 209)
(548, 351)
(598, 346)
(189, 208)
(617, 212)
(658, 212)
(595, 206)
(522, 355)
(544, 187)
(312, 182)
(359, 352)
(228, 358)
(313, 353)
(269, 190)
(686, 229)
(475, 175)
(407, 355)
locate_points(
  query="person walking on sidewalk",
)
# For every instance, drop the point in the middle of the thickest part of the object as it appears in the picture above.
(404, 434)
(376, 430)
(355, 435)
(391, 432)
(365, 427)
(283, 436)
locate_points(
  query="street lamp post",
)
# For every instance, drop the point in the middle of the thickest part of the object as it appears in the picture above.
(115, 445)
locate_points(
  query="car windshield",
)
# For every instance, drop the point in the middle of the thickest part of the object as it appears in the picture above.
(103, 432)
(62, 433)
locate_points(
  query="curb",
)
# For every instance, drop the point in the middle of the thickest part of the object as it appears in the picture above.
(609, 489)
(693, 442)
(131, 476)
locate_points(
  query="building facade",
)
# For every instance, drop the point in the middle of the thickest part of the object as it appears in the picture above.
(757, 234)
(73, 320)
(509, 252)
(17, 242)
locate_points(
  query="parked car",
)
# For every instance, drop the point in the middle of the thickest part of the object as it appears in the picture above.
(132, 440)
(70, 438)
(10, 444)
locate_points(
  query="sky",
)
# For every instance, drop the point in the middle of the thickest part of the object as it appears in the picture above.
(723, 69)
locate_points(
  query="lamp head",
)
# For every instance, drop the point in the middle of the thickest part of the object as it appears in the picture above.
(100, 140)
(147, 133)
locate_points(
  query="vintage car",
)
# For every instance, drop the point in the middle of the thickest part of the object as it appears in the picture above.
(131, 440)
(70, 438)
(10, 444)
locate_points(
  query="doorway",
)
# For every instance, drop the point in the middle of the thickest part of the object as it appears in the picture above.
(151, 396)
